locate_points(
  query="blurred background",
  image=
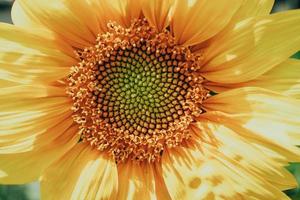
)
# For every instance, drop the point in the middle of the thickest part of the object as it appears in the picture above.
(31, 191)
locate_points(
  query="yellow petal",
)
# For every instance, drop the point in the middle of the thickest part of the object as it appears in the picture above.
(251, 8)
(208, 174)
(284, 78)
(269, 117)
(158, 12)
(26, 57)
(21, 18)
(30, 91)
(82, 173)
(35, 129)
(138, 181)
(24, 167)
(242, 149)
(248, 50)
(196, 21)
(248, 8)
(18, 127)
(254, 100)
(27, 112)
(68, 20)
(181, 172)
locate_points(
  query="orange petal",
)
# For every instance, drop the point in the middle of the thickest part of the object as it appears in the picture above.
(126, 10)
(139, 181)
(82, 173)
(158, 12)
(248, 50)
(120, 11)
(196, 21)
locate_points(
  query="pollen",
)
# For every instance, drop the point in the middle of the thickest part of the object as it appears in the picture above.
(135, 92)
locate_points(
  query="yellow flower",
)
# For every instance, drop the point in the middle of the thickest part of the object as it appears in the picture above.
(150, 99)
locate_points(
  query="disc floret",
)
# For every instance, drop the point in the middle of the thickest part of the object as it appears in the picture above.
(135, 92)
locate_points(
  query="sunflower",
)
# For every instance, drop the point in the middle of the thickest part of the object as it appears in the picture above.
(150, 99)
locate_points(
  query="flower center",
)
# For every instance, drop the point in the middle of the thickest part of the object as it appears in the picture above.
(135, 92)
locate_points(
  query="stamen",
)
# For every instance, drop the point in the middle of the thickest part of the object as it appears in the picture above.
(135, 92)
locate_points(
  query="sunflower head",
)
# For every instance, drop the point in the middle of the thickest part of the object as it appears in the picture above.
(136, 91)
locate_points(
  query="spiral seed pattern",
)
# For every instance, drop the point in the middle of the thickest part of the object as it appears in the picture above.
(135, 92)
